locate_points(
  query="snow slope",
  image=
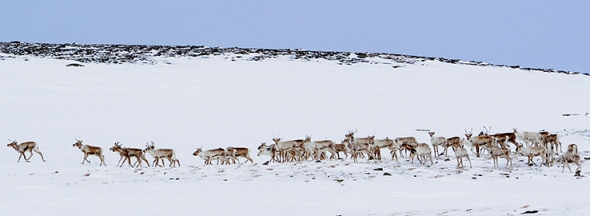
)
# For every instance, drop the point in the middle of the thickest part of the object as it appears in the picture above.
(214, 101)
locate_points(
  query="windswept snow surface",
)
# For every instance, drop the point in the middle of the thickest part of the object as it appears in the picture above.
(185, 103)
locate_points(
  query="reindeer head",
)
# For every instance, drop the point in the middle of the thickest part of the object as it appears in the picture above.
(149, 147)
(488, 129)
(468, 134)
(115, 147)
(519, 149)
(12, 144)
(371, 137)
(307, 138)
(198, 151)
(350, 134)
(431, 133)
(78, 143)
(276, 140)
(262, 146)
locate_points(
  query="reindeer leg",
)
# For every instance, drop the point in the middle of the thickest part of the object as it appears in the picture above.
(129, 161)
(145, 159)
(120, 158)
(102, 160)
(85, 158)
(40, 154)
(30, 156)
(124, 160)
(171, 162)
(20, 156)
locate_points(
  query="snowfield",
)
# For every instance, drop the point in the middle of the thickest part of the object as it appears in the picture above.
(213, 101)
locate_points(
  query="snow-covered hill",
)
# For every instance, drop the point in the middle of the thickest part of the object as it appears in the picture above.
(190, 97)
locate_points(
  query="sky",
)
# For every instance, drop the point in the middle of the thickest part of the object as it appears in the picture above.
(538, 34)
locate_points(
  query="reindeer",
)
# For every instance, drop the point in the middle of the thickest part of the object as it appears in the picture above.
(282, 147)
(270, 150)
(531, 152)
(358, 146)
(497, 152)
(341, 147)
(551, 141)
(21, 148)
(379, 144)
(480, 140)
(460, 153)
(568, 158)
(319, 147)
(160, 154)
(453, 141)
(529, 137)
(235, 152)
(356, 149)
(127, 153)
(219, 153)
(90, 150)
(405, 140)
(437, 141)
(422, 151)
(502, 138)
(572, 148)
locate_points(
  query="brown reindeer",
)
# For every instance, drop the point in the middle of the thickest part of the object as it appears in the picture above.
(341, 147)
(25, 147)
(127, 153)
(90, 150)
(236, 152)
(479, 141)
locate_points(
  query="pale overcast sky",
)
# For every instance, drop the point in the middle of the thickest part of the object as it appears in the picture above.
(540, 34)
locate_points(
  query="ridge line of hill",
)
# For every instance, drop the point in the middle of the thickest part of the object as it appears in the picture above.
(119, 53)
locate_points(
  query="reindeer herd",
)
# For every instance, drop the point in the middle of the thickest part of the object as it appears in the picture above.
(529, 144)
(536, 144)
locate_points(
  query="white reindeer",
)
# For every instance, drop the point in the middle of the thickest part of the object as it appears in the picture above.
(283, 147)
(534, 151)
(160, 154)
(529, 138)
(460, 153)
(269, 150)
(319, 147)
(422, 152)
(498, 152)
(567, 158)
(358, 146)
(437, 141)
(208, 155)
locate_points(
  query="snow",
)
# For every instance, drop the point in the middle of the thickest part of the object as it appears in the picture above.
(213, 102)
